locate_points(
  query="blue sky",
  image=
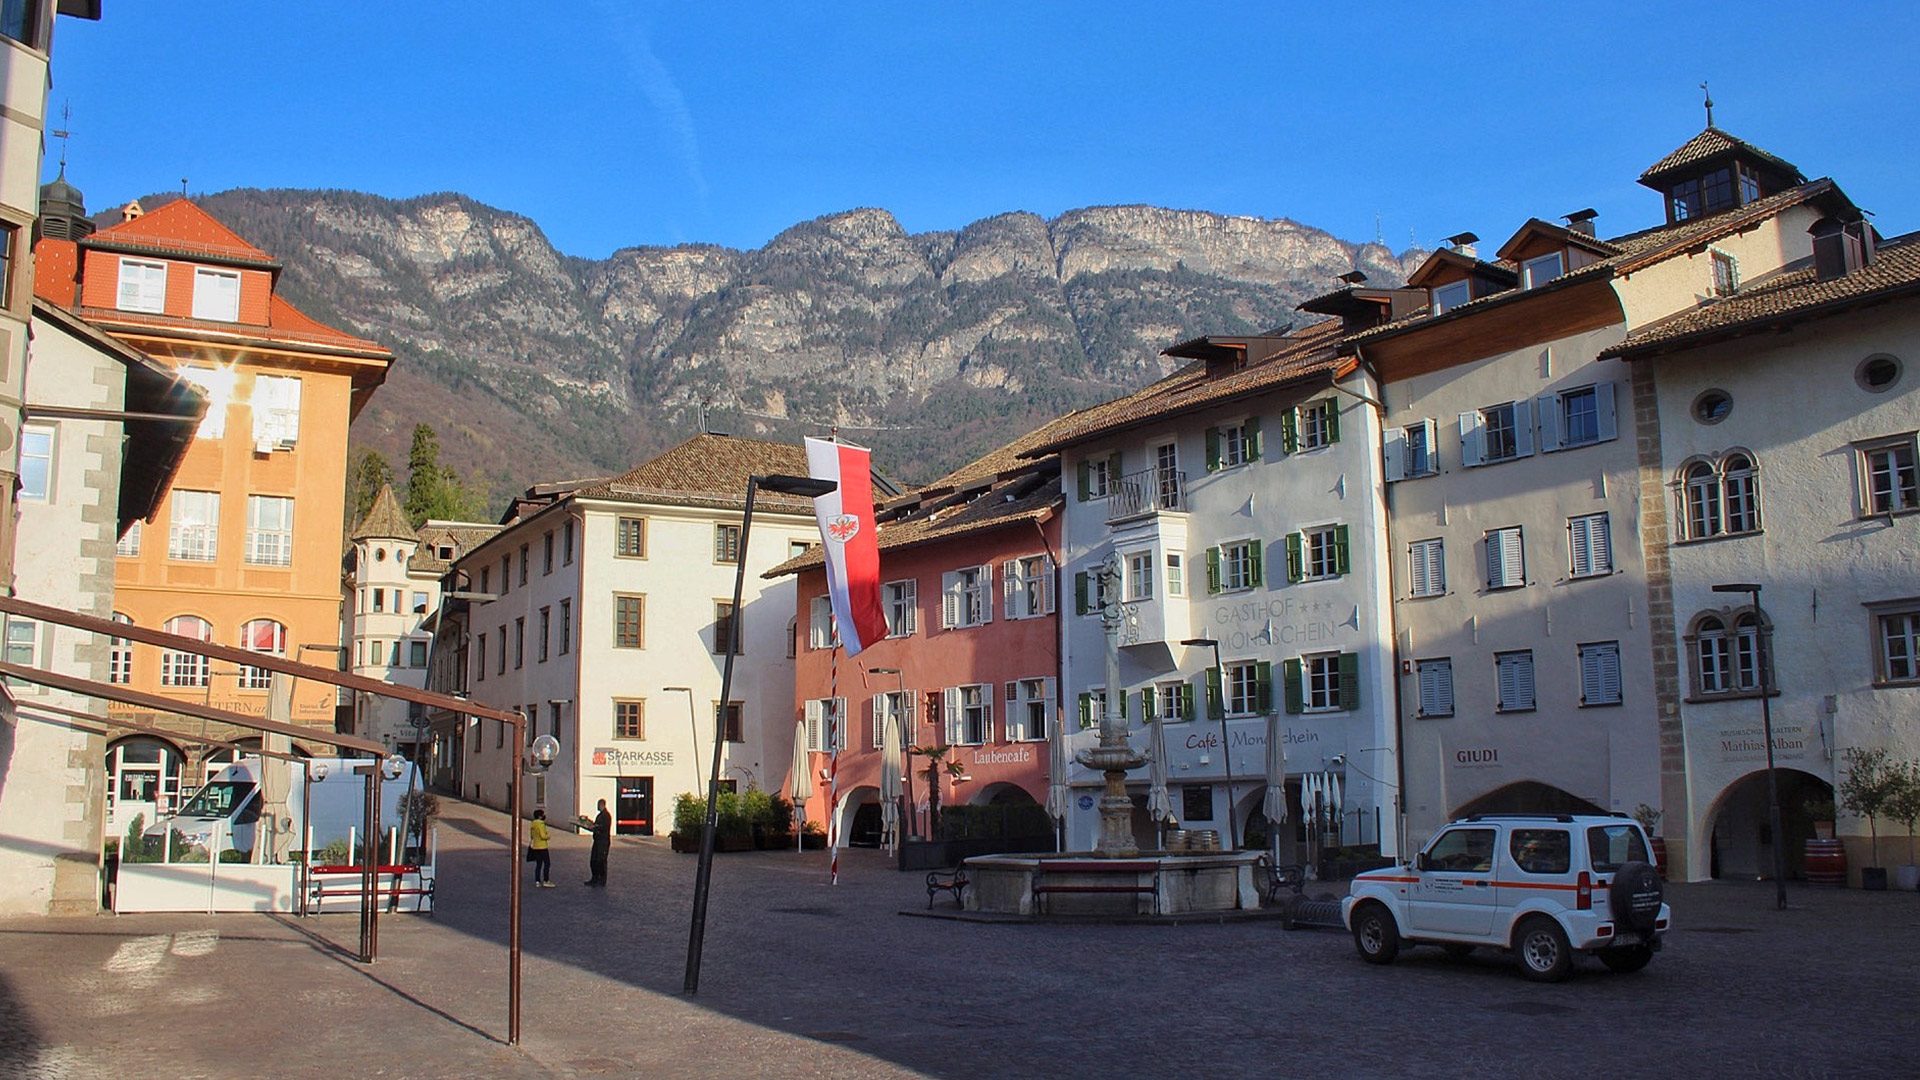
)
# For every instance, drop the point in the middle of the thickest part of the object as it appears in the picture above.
(613, 124)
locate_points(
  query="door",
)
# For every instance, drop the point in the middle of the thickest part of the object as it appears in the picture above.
(633, 809)
(1454, 894)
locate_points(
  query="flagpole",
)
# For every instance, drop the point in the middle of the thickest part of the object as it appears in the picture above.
(833, 762)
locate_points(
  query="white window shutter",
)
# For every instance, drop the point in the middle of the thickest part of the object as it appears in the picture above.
(949, 601)
(1509, 682)
(1603, 403)
(1432, 428)
(1473, 438)
(986, 717)
(1495, 578)
(879, 719)
(953, 715)
(1522, 428)
(1600, 536)
(1437, 566)
(1394, 453)
(1581, 545)
(1010, 589)
(1417, 565)
(1048, 584)
(1513, 559)
(1549, 422)
(986, 593)
(839, 727)
(813, 725)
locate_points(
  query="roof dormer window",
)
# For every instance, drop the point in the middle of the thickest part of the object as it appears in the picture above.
(143, 286)
(1541, 269)
(1451, 295)
(216, 294)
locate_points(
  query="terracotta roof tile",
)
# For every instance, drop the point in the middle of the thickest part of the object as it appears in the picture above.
(1710, 143)
(464, 536)
(1310, 355)
(1784, 298)
(710, 471)
(384, 519)
(181, 227)
(1030, 497)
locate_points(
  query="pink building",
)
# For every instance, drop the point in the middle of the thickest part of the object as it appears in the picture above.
(970, 662)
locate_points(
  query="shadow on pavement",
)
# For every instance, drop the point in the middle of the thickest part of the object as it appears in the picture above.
(20, 1043)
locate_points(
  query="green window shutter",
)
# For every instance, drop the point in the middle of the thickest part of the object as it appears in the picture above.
(1113, 472)
(1263, 686)
(1340, 564)
(1080, 593)
(1086, 710)
(1290, 431)
(1086, 480)
(1291, 674)
(1349, 681)
(1216, 704)
(1213, 569)
(1332, 405)
(1123, 704)
(1296, 557)
(1146, 702)
(1213, 449)
(1185, 707)
(1256, 560)
(1253, 438)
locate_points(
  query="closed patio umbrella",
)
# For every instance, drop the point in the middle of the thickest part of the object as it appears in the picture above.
(890, 782)
(1058, 797)
(1274, 805)
(1158, 804)
(273, 835)
(800, 783)
(1333, 802)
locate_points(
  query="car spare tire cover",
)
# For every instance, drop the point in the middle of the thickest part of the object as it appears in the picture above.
(1636, 895)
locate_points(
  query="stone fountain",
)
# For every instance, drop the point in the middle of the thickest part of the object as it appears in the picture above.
(1115, 879)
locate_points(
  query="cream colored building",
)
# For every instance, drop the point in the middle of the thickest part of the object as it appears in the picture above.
(1786, 459)
(602, 614)
(1529, 577)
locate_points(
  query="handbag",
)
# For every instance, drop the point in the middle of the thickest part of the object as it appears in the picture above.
(531, 857)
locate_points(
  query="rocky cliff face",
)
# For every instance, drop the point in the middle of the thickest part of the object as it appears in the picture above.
(930, 347)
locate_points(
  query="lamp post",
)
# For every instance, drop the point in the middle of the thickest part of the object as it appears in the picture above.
(1226, 752)
(693, 721)
(1760, 640)
(805, 487)
(906, 741)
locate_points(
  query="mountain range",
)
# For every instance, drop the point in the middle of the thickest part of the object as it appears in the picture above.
(534, 366)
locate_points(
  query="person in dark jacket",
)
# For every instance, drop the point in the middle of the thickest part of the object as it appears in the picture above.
(602, 825)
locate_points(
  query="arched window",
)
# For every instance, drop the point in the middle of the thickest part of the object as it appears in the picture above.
(263, 636)
(1703, 501)
(1726, 657)
(1741, 483)
(185, 668)
(120, 655)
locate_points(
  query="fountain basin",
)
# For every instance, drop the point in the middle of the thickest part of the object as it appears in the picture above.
(1084, 884)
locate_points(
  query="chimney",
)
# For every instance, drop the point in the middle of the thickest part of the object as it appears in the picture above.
(1463, 244)
(1581, 221)
(131, 210)
(1840, 247)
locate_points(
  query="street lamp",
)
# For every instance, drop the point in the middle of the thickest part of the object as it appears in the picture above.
(906, 742)
(805, 487)
(1226, 752)
(693, 721)
(1760, 636)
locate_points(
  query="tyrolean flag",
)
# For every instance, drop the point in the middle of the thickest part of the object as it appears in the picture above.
(848, 538)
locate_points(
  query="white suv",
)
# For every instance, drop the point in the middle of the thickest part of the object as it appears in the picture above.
(1543, 885)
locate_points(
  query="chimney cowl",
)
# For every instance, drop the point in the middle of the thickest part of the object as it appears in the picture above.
(1581, 221)
(1463, 243)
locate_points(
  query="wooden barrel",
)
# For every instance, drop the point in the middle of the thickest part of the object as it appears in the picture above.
(1826, 862)
(1177, 839)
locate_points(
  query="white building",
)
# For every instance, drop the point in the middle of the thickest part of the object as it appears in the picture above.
(1242, 498)
(1786, 458)
(1529, 544)
(392, 591)
(610, 604)
(86, 473)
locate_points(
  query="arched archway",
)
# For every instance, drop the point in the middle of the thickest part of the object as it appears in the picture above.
(143, 779)
(860, 817)
(1001, 793)
(1735, 831)
(1528, 797)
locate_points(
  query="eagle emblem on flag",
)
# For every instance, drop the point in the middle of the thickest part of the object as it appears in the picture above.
(844, 527)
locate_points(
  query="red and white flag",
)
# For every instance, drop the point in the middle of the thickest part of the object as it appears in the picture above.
(848, 535)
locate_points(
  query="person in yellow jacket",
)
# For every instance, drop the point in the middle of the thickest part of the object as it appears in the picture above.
(537, 850)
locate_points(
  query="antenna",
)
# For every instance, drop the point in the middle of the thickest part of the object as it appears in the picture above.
(183, 187)
(1378, 238)
(1709, 94)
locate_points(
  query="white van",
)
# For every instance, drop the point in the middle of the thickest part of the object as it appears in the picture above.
(225, 813)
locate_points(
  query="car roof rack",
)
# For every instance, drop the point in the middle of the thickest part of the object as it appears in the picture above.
(1567, 818)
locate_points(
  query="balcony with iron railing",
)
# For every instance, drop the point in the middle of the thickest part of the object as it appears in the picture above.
(1147, 493)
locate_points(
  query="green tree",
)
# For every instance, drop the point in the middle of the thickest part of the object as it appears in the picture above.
(366, 475)
(1872, 783)
(435, 490)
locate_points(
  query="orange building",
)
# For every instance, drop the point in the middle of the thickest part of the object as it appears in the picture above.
(246, 550)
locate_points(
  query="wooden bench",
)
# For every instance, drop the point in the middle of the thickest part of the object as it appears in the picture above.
(349, 879)
(1044, 875)
(952, 882)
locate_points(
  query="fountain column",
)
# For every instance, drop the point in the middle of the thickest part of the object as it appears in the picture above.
(1113, 757)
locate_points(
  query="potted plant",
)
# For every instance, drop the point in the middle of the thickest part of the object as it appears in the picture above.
(936, 760)
(689, 817)
(734, 831)
(1824, 858)
(1649, 819)
(1904, 807)
(1821, 810)
(812, 836)
(1869, 786)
